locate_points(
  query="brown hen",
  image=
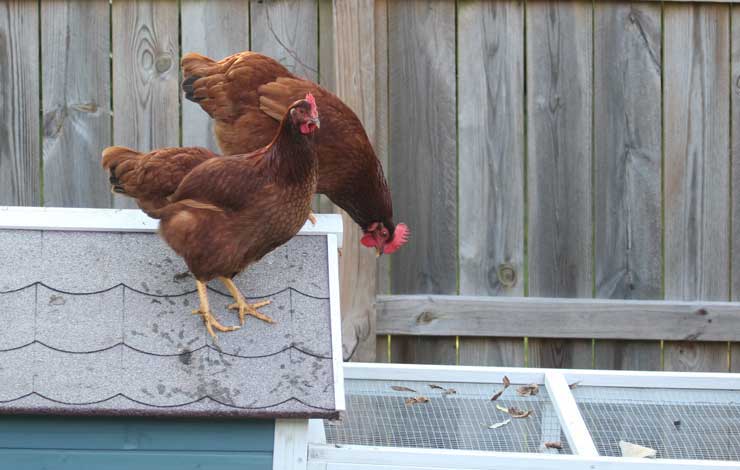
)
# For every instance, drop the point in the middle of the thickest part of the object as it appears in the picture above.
(228, 212)
(247, 93)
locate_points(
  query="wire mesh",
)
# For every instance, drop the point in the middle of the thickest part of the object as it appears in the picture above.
(677, 423)
(377, 415)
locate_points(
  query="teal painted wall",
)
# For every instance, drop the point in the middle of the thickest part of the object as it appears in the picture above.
(60, 443)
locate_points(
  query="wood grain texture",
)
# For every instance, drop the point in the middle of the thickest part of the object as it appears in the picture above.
(146, 85)
(422, 153)
(76, 102)
(214, 29)
(327, 77)
(697, 187)
(559, 103)
(380, 143)
(354, 30)
(20, 150)
(491, 163)
(628, 154)
(287, 30)
(538, 317)
(735, 158)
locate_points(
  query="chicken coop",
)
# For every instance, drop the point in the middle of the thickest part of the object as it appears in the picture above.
(103, 366)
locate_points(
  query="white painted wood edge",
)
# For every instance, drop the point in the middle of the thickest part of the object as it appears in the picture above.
(370, 457)
(316, 431)
(336, 321)
(571, 421)
(290, 450)
(120, 220)
(520, 375)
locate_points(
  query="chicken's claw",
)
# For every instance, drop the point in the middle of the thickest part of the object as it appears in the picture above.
(312, 218)
(251, 309)
(210, 321)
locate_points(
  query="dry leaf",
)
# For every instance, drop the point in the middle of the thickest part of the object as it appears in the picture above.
(449, 391)
(502, 408)
(574, 385)
(507, 382)
(554, 445)
(515, 412)
(497, 395)
(415, 400)
(528, 390)
(498, 425)
(398, 388)
(436, 387)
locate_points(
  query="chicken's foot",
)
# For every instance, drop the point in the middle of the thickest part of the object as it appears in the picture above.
(204, 310)
(312, 217)
(242, 305)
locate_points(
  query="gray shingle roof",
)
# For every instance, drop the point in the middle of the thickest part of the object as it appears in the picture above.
(100, 323)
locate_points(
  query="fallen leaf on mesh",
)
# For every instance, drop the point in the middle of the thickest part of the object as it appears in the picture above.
(507, 382)
(445, 391)
(633, 450)
(415, 400)
(436, 387)
(528, 390)
(497, 395)
(574, 385)
(498, 425)
(554, 445)
(399, 388)
(514, 412)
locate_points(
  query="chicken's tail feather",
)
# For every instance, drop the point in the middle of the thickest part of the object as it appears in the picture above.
(119, 161)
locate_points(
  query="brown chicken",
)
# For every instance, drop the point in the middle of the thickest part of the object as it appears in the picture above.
(222, 214)
(247, 94)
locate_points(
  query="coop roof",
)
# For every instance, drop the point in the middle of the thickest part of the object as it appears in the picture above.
(96, 319)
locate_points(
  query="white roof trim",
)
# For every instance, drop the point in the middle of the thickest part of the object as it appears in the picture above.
(120, 220)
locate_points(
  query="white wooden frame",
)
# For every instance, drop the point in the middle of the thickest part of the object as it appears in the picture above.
(122, 220)
(290, 451)
(336, 320)
(352, 457)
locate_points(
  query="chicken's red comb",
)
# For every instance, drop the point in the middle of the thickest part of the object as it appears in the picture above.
(312, 101)
(400, 236)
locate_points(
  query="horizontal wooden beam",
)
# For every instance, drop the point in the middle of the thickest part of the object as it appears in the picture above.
(534, 317)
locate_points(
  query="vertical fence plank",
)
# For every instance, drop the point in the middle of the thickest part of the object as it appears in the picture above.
(287, 30)
(76, 102)
(559, 102)
(735, 159)
(19, 104)
(491, 164)
(354, 24)
(697, 186)
(327, 78)
(627, 138)
(215, 29)
(423, 168)
(146, 58)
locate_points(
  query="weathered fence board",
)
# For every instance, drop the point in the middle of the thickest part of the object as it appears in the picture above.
(76, 102)
(735, 173)
(354, 25)
(146, 56)
(19, 104)
(540, 317)
(559, 103)
(491, 163)
(697, 187)
(628, 158)
(288, 31)
(423, 168)
(215, 29)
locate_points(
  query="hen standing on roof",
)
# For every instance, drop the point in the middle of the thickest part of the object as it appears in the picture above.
(222, 214)
(247, 93)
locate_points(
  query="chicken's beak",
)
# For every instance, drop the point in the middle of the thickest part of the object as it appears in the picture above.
(317, 122)
(378, 251)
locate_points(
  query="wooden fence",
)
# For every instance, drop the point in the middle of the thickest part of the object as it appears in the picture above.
(541, 148)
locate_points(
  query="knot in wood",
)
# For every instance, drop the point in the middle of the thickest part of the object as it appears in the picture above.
(163, 63)
(425, 317)
(506, 275)
(701, 311)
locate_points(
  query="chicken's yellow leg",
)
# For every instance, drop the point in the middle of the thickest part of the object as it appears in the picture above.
(242, 305)
(312, 218)
(205, 311)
